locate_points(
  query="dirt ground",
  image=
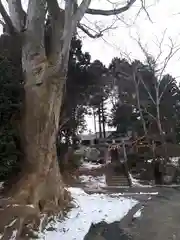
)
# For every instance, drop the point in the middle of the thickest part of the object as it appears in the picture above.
(159, 221)
(160, 218)
(71, 178)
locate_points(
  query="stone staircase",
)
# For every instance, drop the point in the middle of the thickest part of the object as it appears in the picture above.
(118, 180)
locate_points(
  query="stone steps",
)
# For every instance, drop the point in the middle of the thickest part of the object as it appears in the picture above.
(118, 181)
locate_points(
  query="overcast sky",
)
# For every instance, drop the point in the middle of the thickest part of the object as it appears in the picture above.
(165, 15)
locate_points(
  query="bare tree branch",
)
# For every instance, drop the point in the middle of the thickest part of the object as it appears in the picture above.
(68, 18)
(96, 31)
(158, 75)
(159, 45)
(150, 114)
(71, 22)
(148, 92)
(143, 6)
(7, 19)
(17, 14)
(2, 23)
(67, 33)
(35, 26)
(97, 34)
(82, 9)
(85, 30)
(173, 50)
(56, 19)
(111, 12)
(143, 49)
(136, 84)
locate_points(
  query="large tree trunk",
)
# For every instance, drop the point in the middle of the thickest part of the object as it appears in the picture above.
(40, 184)
(100, 121)
(40, 125)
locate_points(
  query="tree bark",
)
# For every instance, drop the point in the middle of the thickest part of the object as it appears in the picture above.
(136, 84)
(103, 120)
(126, 164)
(40, 183)
(40, 125)
(94, 116)
(162, 136)
(99, 120)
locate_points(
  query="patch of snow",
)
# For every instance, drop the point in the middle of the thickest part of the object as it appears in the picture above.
(148, 193)
(136, 183)
(93, 182)
(175, 161)
(14, 234)
(30, 205)
(90, 165)
(12, 223)
(135, 193)
(89, 209)
(1, 185)
(43, 216)
(138, 213)
(149, 160)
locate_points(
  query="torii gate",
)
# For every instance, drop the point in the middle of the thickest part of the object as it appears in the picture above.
(119, 160)
(119, 157)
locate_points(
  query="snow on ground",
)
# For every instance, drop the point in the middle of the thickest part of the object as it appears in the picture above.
(93, 182)
(173, 160)
(97, 182)
(135, 193)
(149, 160)
(89, 209)
(136, 183)
(1, 185)
(90, 165)
(138, 213)
(14, 235)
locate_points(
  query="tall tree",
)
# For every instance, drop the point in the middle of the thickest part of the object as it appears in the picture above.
(99, 93)
(76, 92)
(45, 76)
(137, 89)
(124, 112)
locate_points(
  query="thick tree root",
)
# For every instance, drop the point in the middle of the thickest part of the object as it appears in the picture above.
(23, 221)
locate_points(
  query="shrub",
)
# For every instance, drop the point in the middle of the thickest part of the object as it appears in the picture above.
(11, 94)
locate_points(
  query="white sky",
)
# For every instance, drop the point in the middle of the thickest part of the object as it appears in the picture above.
(165, 14)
